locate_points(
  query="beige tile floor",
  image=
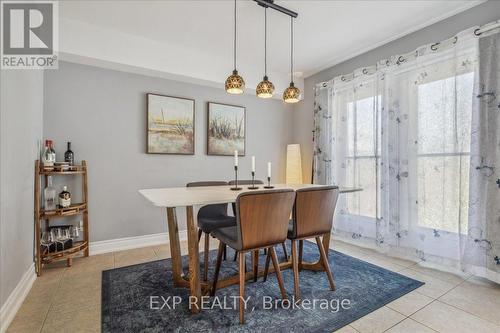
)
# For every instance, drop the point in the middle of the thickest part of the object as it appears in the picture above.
(69, 299)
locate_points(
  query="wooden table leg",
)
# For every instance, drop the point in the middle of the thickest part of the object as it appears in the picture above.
(175, 247)
(194, 261)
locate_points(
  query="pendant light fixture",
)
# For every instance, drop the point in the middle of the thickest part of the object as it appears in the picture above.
(235, 83)
(265, 88)
(292, 93)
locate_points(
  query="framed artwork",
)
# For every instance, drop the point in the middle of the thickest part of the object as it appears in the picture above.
(226, 129)
(170, 125)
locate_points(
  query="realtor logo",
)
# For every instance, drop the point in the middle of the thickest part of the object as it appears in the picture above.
(29, 34)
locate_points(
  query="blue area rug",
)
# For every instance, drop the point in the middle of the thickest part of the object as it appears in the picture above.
(140, 298)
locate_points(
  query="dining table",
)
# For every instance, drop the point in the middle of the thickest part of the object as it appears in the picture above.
(193, 198)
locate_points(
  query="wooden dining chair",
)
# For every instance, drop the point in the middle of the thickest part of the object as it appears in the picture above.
(261, 222)
(256, 182)
(211, 217)
(312, 217)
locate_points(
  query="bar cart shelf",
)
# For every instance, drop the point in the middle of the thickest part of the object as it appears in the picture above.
(74, 209)
(65, 254)
(44, 217)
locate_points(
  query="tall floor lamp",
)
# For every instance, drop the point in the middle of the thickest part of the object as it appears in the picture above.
(293, 164)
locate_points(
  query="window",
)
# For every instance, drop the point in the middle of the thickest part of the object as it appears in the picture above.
(362, 156)
(444, 121)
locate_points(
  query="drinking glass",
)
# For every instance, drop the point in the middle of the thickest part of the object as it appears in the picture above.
(53, 235)
(58, 233)
(47, 239)
(60, 237)
(75, 232)
(67, 234)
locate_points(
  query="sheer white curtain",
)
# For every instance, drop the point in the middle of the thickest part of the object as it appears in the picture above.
(425, 133)
(402, 131)
(482, 249)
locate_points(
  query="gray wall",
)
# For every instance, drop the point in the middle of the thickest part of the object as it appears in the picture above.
(103, 113)
(20, 130)
(303, 112)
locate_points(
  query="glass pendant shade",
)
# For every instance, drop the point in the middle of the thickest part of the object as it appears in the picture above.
(265, 88)
(291, 94)
(235, 84)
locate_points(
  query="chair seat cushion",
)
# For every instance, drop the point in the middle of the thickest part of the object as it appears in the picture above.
(207, 224)
(228, 236)
(291, 233)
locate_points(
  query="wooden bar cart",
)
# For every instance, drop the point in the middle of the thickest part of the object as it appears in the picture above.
(44, 217)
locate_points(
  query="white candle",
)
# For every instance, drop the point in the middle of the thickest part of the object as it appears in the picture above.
(253, 163)
(235, 158)
(269, 169)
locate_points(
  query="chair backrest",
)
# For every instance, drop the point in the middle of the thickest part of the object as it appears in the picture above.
(262, 217)
(245, 182)
(313, 210)
(210, 210)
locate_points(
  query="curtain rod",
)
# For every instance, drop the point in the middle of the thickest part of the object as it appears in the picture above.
(487, 27)
(478, 32)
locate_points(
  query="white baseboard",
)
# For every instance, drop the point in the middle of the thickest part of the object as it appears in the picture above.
(16, 298)
(128, 243)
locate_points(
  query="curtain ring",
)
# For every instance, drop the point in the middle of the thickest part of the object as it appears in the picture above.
(401, 59)
(455, 40)
(434, 46)
(477, 32)
(365, 71)
(342, 78)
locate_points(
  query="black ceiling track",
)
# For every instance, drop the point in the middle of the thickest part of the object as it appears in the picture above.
(272, 5)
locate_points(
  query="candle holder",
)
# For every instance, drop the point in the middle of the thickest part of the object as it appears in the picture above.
(268, 183)
(253, 187)
(235, 188)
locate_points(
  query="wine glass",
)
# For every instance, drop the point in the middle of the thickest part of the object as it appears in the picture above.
(67, 234)
(60, 238)
(75, 232)
(58, 233)
(53, 235)
(47, 239)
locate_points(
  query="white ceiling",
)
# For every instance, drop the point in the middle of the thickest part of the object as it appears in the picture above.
(195, 37)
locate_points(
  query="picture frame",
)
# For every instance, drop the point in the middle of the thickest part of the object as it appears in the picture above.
(170, 125)
(226, 129)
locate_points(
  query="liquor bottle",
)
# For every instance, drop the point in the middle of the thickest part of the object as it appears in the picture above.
(49, 194)
(49, 154)
(64, 198)
(69, 156)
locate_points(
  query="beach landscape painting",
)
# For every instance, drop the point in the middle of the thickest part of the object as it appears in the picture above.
(226, 129)
(170, 125)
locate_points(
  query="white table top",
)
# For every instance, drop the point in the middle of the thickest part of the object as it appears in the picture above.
(205, 195)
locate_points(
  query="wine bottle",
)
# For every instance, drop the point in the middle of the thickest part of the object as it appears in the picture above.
(69, 156)
(49, 194)
(64, 198)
